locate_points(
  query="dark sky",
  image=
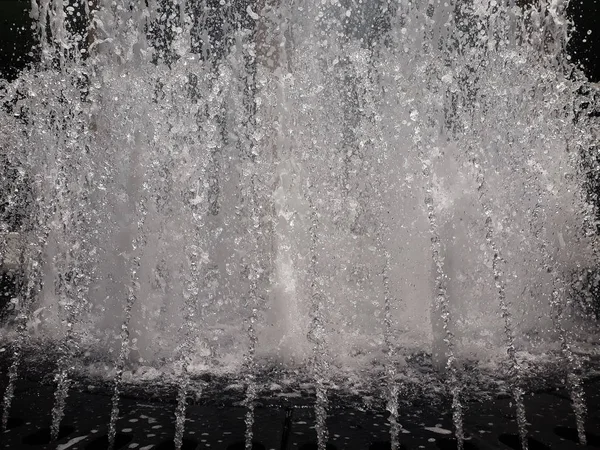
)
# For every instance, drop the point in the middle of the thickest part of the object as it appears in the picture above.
(16, 36)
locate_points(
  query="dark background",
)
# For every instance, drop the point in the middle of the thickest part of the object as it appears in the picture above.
(584, 47)
(16, 37)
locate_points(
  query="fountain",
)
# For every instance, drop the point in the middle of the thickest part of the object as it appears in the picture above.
(380, 202)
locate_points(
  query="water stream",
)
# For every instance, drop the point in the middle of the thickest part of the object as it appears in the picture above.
(328, 187)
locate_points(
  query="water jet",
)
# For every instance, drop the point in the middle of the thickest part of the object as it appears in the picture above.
(350, 209)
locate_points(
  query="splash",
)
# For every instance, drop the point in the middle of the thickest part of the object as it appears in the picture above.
(283, 164)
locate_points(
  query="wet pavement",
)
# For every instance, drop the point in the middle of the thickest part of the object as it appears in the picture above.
(146, 425)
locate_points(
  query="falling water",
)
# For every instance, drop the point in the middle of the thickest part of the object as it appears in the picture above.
(197, 246)
(72, 304)
(137, 248)
(250, 364)
(441, 304)
(186, 350)
(30, 259)
(13, 371)
(249, 401)
(125, 343)
(72, 292)
(251, 307)
(574, 369)
(515, 371)
(301, 172)
(31, 254)
(371, 135)
(574, 382)
(391, 373)
(319, 361)
(250, 357)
